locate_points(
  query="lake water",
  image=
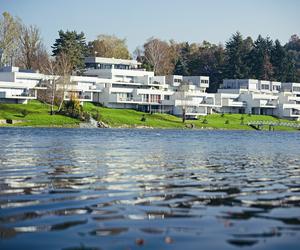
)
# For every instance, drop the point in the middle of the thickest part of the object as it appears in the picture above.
(148, 189)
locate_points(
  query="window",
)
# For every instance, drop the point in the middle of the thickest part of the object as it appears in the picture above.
(296, 89)
(167, 97)
(154, 98)
(264, 86)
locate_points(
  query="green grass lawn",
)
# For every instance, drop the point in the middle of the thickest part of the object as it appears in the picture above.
(132, 118)
(37, 115)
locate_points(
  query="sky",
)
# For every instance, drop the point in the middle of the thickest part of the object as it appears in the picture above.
(182, 20)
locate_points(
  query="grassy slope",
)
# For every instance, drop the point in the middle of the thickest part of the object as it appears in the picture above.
(132, 118)
(38, 115)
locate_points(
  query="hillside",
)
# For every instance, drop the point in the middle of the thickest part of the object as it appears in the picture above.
(37, 114)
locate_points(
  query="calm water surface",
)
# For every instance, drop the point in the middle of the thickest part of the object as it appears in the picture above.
(148, 189)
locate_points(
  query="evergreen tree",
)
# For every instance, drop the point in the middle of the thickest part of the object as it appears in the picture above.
(262, 67)
(279, 62)
(182, 65)
(293, 50)
(236, 57)
(73, 45)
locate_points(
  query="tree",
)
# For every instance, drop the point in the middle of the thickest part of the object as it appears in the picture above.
(72, 45)
(262, 67)
(279, 60)
(9, 29)
(59, 71)
(236, 60)
(293, 50)
(109, 46)
(159, 55)
(32, 53)
(182, 64)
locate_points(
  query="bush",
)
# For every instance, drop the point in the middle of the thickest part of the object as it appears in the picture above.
(24, 112)
(143, 119)
(205, 121)
(97, 116)
(242, 120)
(227, 121)
(222, 115)
(73, 109)
(86, 116)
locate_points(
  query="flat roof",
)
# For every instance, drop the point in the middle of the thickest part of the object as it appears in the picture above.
(106, 60)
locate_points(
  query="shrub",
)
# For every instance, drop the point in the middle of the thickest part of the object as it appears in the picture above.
(24, 112)
(86, 116)
(73, 109)
(143, 119)
(242, 120)
(97, 116)
(222, 115)
(205, 121)
(227, 121)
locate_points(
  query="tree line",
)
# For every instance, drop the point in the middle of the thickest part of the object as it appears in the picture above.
(240, 57)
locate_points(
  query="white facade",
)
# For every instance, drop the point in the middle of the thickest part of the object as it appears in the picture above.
(18, 87)
(259, 97)
(118, 83)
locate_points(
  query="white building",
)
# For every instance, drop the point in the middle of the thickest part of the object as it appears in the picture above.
(259, 97)
(18, 86)
(119, 83)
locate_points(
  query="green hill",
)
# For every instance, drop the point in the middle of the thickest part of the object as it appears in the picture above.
(37, 114)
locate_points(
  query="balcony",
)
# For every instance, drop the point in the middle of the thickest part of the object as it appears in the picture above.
(233, 103)
(264, 103)
(296, 112)
(24, 95)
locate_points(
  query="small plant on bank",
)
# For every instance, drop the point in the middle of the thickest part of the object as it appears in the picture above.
(227, 121)
(205, 121)
(222, 115)
(24, 112)
(143, 119)
(86, 116)
(97, 116)
(72, 108)
(242, 120)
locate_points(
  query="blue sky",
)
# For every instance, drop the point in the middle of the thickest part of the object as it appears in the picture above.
(181, 20)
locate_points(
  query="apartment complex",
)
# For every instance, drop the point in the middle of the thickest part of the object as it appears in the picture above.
(259, 97)
(119, 83)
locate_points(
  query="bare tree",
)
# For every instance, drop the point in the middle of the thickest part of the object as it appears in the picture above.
(64, 67)
(9, 29)
(58, 80)
(32, 53)
(50, 68)
(183, 91)
(159, 55)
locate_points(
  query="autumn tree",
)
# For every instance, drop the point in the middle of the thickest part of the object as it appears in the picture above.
(109, 46)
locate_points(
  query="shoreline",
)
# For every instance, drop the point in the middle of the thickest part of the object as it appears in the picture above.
(151, 128)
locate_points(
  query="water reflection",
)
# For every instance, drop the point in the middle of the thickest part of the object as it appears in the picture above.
(196, 186)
